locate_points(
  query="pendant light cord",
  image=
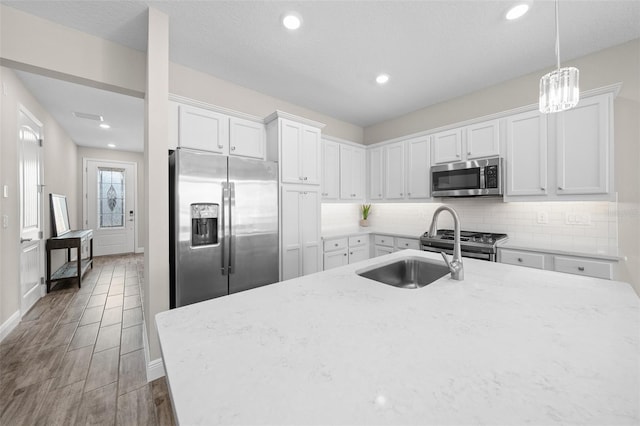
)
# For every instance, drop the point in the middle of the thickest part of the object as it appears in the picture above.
(557, 37)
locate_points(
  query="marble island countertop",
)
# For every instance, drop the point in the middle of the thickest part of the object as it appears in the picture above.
(508, 345)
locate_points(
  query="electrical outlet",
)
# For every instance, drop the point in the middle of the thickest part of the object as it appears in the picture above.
(542, 217)
(5, 191)
(577, 219)
(4, 88)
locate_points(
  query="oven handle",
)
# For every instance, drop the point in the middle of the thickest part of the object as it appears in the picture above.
(482, 256)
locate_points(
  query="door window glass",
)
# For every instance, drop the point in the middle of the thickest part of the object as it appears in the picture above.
(111, 190)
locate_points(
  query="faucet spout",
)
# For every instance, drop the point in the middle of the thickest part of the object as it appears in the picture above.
(455, 266)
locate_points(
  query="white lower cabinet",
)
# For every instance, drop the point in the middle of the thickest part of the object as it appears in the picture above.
(382, 250)
(576, 265)
(301, 251)
(343, 251)
(383, 244)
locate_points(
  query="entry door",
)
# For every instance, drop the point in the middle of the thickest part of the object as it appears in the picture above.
(30, 170)
(110, 189)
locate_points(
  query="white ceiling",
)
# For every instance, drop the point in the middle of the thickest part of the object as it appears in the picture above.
(433, 50)
(125, 114)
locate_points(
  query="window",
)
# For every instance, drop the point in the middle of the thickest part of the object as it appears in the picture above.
(111, 192)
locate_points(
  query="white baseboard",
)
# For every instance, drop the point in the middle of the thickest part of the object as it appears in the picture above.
(139, 250)
(11, 323)
(155, 370)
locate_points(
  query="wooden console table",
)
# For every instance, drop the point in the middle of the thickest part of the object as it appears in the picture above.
(71, 269)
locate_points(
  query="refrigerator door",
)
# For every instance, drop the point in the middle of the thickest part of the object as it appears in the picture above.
(253, 258)
(200, 179)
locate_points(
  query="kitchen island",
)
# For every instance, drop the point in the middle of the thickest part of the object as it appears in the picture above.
(508, 345)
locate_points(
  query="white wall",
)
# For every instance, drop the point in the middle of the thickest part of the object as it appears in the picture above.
(110, 154)
(60, 176)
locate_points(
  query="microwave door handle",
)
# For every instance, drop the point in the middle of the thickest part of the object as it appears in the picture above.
(482, 178)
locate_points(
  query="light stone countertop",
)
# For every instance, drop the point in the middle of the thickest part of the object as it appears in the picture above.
(562, 249)
(508, 346)
(351, 231)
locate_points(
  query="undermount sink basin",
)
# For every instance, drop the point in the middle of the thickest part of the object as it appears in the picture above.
(410, 272)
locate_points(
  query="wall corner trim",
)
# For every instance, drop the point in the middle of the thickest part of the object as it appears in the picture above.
(8, 326)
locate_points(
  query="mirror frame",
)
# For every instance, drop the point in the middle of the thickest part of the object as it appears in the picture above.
(59, 215)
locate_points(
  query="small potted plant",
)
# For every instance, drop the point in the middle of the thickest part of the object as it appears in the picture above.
(365, 209)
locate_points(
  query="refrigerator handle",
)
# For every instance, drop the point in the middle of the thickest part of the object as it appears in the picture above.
(232, 235)
(225, 194)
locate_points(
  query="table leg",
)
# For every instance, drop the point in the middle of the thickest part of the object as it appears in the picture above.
(79, 255)
(48, 269)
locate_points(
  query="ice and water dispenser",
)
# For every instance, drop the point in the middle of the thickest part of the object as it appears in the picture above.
(204, 224)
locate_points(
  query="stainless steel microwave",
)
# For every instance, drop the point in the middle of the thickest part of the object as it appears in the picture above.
(467, 179)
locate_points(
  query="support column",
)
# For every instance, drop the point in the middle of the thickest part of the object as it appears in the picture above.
(156, 180)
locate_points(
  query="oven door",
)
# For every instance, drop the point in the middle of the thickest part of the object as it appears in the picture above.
(483, 256)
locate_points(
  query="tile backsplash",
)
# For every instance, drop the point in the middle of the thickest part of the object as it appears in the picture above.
(588, 225)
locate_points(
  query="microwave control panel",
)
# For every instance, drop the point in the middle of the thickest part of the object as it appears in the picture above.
(491, 176)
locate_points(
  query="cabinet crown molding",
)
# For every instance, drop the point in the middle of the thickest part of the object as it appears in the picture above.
(296, 118)
(214, 108)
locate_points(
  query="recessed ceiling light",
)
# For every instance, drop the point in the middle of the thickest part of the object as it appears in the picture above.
(517, 11)
(111, 145)
(105, 126)
(292, 21)
(382, 79)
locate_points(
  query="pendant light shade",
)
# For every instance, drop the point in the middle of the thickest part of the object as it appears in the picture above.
(559, 89)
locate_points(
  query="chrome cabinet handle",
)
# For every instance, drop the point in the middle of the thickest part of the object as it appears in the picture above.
(408, 193)
(581, 268)
(401, 194)
(345, 254)
(542, 188)
(25, 240)
(305, 178)
(560, 188)
(519, 259)
(336, 244)
(233, 148)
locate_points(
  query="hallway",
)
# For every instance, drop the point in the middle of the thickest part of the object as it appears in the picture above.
(77, 356)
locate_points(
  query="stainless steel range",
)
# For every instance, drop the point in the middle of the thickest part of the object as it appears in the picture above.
(479, 245)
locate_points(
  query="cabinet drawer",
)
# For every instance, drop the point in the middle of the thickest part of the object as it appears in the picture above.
(530, 260)
(336, 244)
(358, 240)
(590, 268)
(383, 240)
(407, 243)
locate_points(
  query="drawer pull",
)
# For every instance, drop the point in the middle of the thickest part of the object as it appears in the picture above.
(358, 240)
(406, 244)
(345, 254)
(382, 241)
(581, 268)
(520, 259)
(351, 253)
(336, 244)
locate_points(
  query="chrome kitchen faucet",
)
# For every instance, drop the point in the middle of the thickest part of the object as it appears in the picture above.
(455, 266)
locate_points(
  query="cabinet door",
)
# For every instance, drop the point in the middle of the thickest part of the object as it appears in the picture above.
(310, 231)
(358, 173)
(291, 242)
(582, 137)
(310, 152)
(376, 168)
(394, 171)
(447, 146)
(381, 250)
(356, 254)
(246, 138)
(483, 140)
(346, 177)
(527, 154)
(335, 259)
(290, 137)
(199, 128)
(330, 170)
(418, 165)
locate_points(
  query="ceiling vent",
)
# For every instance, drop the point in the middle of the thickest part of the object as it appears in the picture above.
(94, 117)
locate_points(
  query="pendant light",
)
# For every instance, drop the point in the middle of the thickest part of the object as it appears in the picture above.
(559, 89)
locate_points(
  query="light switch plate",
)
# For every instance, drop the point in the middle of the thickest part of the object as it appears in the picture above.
(542, 217)
(5, 221)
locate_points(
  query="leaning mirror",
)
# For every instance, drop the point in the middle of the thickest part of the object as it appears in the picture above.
(59, 215)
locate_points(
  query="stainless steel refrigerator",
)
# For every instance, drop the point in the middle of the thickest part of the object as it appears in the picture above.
(224, 225)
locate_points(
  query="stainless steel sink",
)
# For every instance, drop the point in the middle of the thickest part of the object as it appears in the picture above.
(410, 272)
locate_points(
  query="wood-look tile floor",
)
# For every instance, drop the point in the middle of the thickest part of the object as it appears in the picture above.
(77, 356)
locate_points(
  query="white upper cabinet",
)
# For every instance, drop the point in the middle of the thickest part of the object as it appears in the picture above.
(526, 161)
(376, 173)
(300, 153)
(582, 147)
(352, 172)
(483, 139)
(418, 168)
(246, 138)
(199, 128)
(447, 146)
(394, 174)
(330, 170)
